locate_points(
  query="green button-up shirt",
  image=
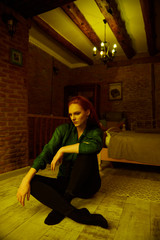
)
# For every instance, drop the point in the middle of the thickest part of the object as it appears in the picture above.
(91, 141)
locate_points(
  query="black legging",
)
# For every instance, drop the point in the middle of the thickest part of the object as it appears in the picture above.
(84, 182)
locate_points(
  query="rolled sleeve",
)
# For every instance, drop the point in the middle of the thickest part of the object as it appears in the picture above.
(50, 149)
(41, 161)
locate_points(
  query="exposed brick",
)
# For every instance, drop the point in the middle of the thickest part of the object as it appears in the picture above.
(13, 97)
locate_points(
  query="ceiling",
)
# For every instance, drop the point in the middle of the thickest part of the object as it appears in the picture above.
(68, 30)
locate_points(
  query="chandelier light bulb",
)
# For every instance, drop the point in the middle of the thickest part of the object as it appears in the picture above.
(101, 53)
(102, 46)
(113, 52)
(94, 51)
(105, 54)
(114, 45)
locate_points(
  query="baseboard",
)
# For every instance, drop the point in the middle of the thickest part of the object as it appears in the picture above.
(13, 173)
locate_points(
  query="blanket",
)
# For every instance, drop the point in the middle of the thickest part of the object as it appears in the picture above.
(140, 147)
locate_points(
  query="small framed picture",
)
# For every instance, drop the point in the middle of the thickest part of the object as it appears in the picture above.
(16, 57)
(115, 91)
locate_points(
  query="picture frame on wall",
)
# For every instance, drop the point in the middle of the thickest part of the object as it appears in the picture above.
(115, 91)
(16, 57)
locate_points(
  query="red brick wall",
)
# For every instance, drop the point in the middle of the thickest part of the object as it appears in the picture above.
(46, 80)
(13, 97)
(46, 90)
(39, 81)
(137, 87)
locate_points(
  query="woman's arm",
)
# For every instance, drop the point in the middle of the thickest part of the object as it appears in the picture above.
(51, 148)
(74, 148)
(24, 188)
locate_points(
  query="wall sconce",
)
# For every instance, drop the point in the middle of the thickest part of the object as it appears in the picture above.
(11, 23)
(55, 70)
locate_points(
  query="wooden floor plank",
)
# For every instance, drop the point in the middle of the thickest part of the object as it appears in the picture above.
(61, 234)
(97, 233)
(14, 215)
(135, 221)
(129, 217)
(155, 221)
(25, 232)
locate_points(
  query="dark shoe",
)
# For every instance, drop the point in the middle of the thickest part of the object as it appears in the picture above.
(53, 218)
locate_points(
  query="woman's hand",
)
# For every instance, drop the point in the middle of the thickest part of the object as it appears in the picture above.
(74, 148)
(23, 191)
(57, 158)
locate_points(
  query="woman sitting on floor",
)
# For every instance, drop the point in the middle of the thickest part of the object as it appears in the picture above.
(75, 146)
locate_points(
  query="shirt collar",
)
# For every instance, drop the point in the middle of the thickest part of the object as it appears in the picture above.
(74, 129)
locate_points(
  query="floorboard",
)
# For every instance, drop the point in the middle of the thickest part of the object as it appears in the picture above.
(135, 221)
(155, 221)
(129, 199)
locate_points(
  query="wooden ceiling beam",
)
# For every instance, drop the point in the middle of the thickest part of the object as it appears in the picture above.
(52, 33)
(78, 18)
(32, 8)
(147, 7)
(112, 15)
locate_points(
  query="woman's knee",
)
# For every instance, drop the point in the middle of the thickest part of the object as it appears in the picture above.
(37, 181)
(87, 157)
(84, 175)
(34, 183)
(86, 160)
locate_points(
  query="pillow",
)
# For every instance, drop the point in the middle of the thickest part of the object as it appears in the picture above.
(107, 139)
(110, 124)
(110, 132)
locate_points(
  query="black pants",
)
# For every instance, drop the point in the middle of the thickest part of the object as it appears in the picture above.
(84, 182)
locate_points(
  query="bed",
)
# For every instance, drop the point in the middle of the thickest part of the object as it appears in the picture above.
(131, 147)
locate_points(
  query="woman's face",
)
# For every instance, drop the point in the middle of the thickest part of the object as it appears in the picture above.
(78, 115)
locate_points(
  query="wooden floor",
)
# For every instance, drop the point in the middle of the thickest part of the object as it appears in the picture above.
(130, 217)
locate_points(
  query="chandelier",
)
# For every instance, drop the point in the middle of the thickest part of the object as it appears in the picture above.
(105, 54)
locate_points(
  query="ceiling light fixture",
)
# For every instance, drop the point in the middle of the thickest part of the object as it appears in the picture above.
(105, 54)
